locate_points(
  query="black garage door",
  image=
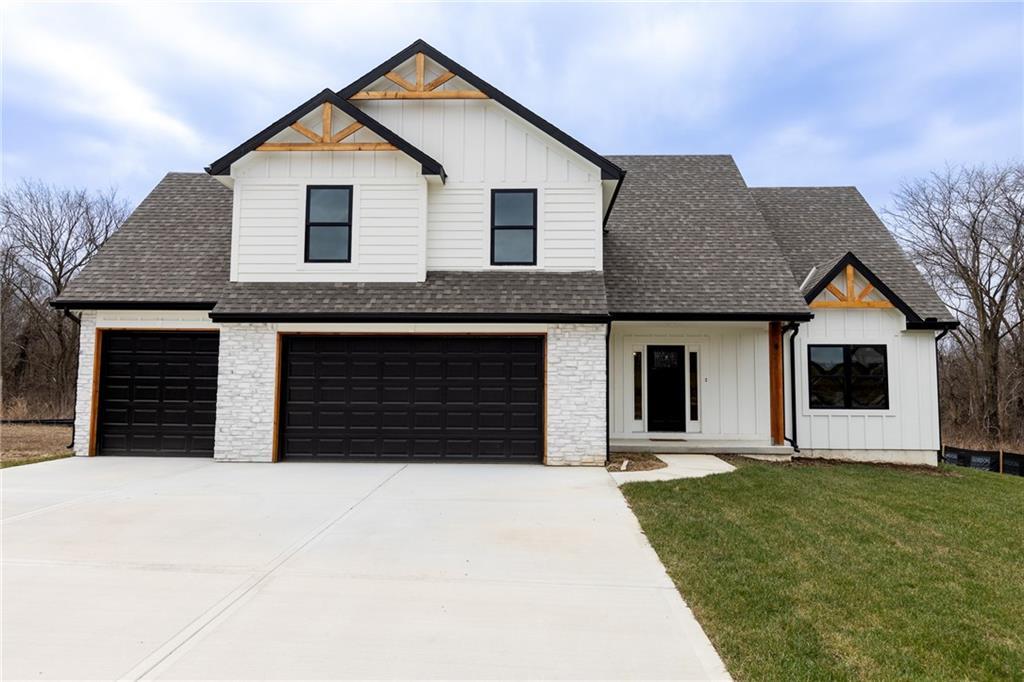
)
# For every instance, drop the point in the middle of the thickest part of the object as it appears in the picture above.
(416, 397)
(158, 393)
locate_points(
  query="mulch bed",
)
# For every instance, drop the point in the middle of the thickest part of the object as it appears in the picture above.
(638, 461)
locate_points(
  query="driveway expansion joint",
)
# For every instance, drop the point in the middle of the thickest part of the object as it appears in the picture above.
(147, 666)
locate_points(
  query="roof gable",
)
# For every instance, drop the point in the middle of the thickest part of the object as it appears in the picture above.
(292, 120)
(358, 90)
(816, 227)
(848, 283)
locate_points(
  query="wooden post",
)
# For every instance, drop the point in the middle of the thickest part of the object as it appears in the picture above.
(1000, 460)
(775, 383)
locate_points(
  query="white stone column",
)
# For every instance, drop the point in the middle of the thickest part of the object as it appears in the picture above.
(576, 402)
(86, 369)
(246, 383)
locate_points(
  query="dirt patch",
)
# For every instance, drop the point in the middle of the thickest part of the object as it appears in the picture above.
(944, 471)
(638, 461)
(28, 443)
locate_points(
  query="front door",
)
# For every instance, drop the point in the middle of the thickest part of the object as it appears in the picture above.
(666, 388)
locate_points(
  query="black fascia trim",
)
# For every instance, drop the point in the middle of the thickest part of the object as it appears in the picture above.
(532, 192)
(850, 259)
(351, 191)
(407, 317)
(611, 203)
(932, 323)
(429, 166)
(715, 317)
(609, 170)
(86, 304)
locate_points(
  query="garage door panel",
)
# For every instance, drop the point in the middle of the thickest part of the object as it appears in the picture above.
(157, 393)
(417, 396)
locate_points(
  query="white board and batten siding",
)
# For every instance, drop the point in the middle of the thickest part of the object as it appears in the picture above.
(910, 423)
(733, 372)
(482, 147)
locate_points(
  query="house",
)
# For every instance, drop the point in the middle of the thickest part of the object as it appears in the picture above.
(418, 266)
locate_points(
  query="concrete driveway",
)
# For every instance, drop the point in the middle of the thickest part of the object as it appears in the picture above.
(177, 568)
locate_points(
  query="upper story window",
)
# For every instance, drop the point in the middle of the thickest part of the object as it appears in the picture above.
(514, 227)
(847, 377)
(329, 224)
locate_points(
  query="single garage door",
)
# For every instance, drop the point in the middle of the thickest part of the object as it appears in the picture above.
(158, 393)
(413, 397)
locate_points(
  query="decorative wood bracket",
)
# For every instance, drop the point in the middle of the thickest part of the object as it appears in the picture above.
(850, 298)
(419, 89)
(325, 141)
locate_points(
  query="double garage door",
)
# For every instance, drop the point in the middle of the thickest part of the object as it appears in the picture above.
(354, 397)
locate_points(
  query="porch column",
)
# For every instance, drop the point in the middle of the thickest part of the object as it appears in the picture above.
(775, 383)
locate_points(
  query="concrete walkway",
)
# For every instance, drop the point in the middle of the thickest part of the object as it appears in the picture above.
(137, 568)
(679, 466)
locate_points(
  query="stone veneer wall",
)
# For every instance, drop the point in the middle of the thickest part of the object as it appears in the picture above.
(576, 402)
(83, 398)
(245, 392)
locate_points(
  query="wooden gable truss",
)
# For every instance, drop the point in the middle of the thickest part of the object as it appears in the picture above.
(326, 140)
(846, 291)
(420, 88)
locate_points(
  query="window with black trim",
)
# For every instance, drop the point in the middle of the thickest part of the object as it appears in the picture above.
(514, 227)
(848, 377)
(329, 224)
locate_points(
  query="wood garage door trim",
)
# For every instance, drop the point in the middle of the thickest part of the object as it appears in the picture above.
(279, 386)
(97, 362)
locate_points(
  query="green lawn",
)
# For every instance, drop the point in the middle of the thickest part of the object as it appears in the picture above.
(840, 571)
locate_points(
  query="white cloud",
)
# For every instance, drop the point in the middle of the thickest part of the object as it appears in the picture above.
(82, 77)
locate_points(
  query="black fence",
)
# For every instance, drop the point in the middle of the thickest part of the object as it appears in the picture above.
(998, 461)
(42, 422)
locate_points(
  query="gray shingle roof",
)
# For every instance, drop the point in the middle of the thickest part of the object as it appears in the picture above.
(175, 247)
(818, 225)
(452, 293)
(686, 237)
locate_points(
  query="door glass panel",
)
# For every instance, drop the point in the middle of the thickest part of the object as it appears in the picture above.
(694, 388)
(638, 385)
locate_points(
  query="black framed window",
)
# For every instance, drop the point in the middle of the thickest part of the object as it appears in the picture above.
(514, 227)
(848, 377)
(329, 224)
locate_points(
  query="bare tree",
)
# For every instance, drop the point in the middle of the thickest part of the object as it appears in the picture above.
(965, 228)
(48, 235)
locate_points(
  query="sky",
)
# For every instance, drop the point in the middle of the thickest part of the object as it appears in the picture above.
(866, 94)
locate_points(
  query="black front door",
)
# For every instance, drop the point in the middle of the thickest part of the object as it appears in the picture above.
(666, 388)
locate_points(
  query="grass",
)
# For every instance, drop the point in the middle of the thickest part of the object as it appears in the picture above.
(846, 571)
(31, 443)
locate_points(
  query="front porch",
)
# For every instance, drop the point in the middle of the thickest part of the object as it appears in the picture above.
(705, 446)
(698, 388)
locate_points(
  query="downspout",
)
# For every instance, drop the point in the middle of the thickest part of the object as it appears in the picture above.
(938, 394)
(795, 328)
(74, 409)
